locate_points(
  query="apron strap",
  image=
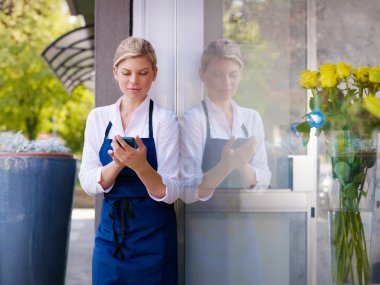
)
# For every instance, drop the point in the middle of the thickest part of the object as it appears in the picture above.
(150, 119)
(124, 206)
(150, 122)
(208, 133)
(107, 130)
(244, 130)
(208, 122)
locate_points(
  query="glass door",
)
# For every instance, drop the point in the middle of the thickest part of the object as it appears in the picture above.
(237, 236)
(260, 236)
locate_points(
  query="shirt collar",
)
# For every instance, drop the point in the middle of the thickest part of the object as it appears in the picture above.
(115, 116)
(214, 109)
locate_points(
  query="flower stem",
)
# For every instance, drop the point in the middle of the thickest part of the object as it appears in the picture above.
(361, 90)
(349, 241)
(332, 99)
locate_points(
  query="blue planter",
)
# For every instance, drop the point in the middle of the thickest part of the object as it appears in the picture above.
(36, 199)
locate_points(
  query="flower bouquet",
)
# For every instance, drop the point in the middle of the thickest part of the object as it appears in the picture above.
(343, 106)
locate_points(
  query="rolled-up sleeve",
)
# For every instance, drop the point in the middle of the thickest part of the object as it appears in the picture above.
(192, 140)
(259, 161)
(90, 169)
(167, 145)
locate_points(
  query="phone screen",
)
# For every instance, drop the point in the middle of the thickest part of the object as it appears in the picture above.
(238, 142)
(130, 141)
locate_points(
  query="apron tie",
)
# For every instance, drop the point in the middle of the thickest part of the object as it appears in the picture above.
(124, 206)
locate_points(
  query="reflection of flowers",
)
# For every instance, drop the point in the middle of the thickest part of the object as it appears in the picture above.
(342, 102)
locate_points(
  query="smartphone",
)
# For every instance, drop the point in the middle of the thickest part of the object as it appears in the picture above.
(130, 141)
(238, 142)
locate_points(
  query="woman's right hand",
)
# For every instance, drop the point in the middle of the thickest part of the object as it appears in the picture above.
(125, 155)
(233, 158)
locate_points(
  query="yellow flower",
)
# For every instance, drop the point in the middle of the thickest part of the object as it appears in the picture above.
(374, 74)
(308, 79)
(328, 67)
(361, 74)
(372, 104)
(328, 76)
(343, 70)
(328, 80)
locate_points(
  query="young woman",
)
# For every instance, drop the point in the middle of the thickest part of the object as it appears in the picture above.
(224, 144)
(136, 239)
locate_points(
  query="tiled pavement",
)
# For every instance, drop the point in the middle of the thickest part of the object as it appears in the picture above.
(81, 244)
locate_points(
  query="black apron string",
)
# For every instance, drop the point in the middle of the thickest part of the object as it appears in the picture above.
(107, 130)
(124, 206)
(208, 133)
(244, 130)
(150, 119)
(150, 122)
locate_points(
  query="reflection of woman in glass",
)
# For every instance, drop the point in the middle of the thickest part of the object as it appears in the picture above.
(219, 128)
(224, 144)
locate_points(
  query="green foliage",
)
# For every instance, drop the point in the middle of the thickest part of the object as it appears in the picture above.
(30, 94)
(71, 120)
(270, 58)
(242, 26)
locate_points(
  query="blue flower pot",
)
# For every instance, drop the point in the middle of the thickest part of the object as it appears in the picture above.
(36, 200)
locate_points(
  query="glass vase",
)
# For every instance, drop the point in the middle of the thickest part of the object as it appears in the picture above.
(351, 204)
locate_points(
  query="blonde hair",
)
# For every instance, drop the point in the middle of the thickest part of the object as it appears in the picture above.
(135, 47)
(222, 48)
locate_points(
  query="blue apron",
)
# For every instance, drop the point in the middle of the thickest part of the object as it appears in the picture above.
(136, 241)
(212, 154)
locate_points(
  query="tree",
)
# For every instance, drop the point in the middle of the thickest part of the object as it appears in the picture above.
(71, 120)
(30, 94)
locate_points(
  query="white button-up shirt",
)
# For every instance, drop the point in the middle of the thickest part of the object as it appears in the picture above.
(194, 133)
(166, 137)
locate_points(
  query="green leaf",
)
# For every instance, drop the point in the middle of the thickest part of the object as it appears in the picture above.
(350, 190)
(342, 170)
(311, 103)
(319, 131)
(338, 121)
(305, 139)
(304, 127)
(359, 178)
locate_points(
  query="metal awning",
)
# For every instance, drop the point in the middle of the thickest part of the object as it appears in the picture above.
(71, 57)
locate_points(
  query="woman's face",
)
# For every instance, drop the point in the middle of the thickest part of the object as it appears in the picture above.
(221, 78)
(135, 76)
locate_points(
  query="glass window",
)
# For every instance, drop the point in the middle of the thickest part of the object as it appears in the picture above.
(272, 36)
(279, 250)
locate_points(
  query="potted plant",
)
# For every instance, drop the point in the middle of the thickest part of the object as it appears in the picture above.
(340, 100)
(37, 183)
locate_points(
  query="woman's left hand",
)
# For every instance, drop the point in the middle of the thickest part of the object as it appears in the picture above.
(125, 155)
